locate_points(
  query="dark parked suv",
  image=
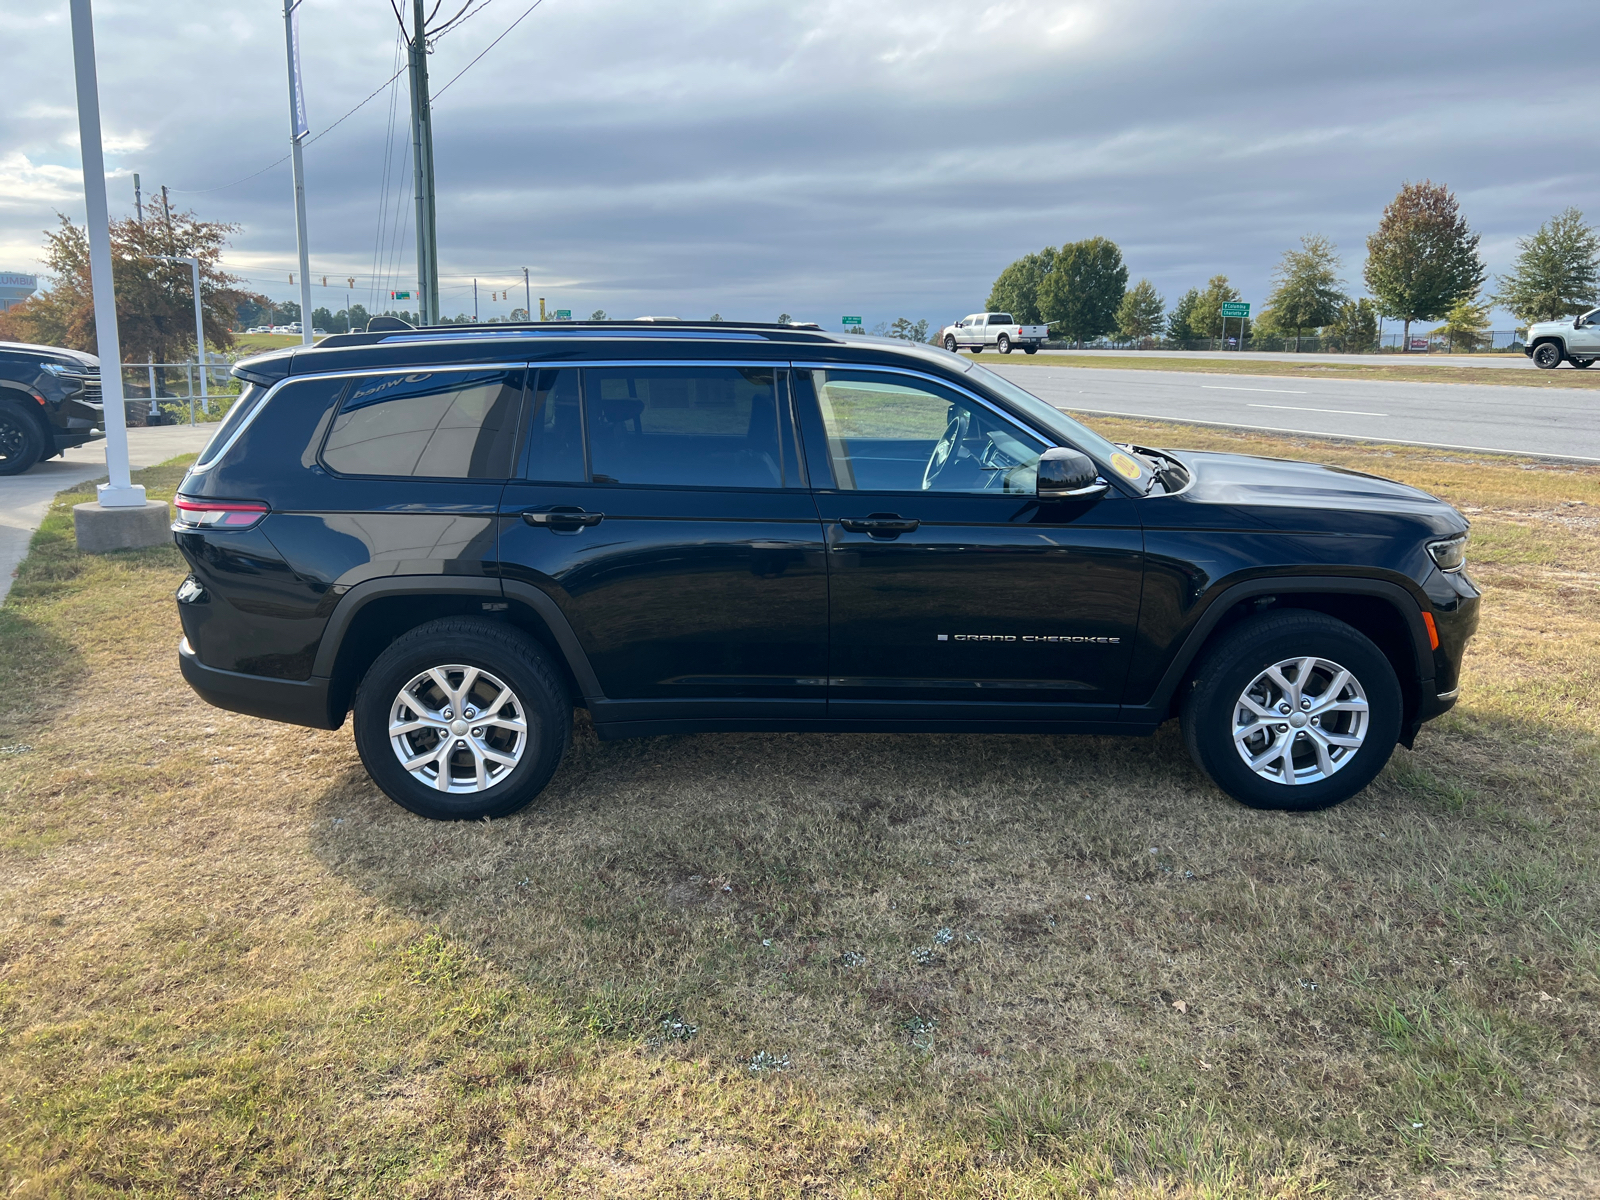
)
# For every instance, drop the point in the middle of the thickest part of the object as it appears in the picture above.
(460, 534)
(49, 402)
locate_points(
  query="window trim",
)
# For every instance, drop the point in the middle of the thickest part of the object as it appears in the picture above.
(522, 404)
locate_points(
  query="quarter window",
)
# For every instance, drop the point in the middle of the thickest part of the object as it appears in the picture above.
(888, 433)
(435, 424)
(684, 426)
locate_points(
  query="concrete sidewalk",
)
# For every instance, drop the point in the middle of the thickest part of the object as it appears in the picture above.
(25, 498)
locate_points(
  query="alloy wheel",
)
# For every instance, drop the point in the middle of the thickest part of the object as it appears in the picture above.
(1300, 720)
(458, 729)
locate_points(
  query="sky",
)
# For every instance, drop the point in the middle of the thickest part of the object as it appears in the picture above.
(880, 158)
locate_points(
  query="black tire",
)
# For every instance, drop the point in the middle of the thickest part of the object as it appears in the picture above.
(1547, 356)
(21, 443)
(1581, 362)
(950, 342)
(498, 649)
(1003, 344)
(1216, 692)
(1030, 349)
(977, 349)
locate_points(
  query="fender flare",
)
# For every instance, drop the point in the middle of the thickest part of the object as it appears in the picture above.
(1554, 338)
(489, 588)
(1402, 601)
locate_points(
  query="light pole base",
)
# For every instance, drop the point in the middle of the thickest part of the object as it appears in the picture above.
(100, 529)
(131, 496)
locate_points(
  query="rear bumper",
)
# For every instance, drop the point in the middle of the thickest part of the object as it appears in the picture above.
(295, 702)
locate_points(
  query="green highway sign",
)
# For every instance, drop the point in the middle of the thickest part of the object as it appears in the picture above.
(563, 314)
(1235, 309)
(850, 320)
(399, 295)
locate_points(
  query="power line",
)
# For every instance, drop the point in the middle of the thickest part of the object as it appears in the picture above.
(487, 48)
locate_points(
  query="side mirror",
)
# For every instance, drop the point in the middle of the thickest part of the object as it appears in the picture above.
(1065, 474)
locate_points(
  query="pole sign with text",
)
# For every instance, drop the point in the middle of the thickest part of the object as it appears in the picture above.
(563, 314)
(850, 320)
(1234, 308)
(399, 295)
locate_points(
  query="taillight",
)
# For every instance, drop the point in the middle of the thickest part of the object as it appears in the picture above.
(1019, 330)
(219, 514)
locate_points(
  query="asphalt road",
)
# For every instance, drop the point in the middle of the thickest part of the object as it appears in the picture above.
(1516, 362)
(1549, 422)
(25, 498)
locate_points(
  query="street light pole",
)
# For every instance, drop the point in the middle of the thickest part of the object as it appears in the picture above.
(121, 491)
(298, 130)
(199, 330)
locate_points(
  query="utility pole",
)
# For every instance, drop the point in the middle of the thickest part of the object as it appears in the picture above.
(474, 301)
(138, 198)
(299, 128)
(167, 209)
(422, 169)
(527, 294)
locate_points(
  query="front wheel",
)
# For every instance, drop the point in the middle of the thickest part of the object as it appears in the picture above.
(1003, 345)
(1547, 356)
(1293, 710)
(950, 343)
(462, 719)
(21, 443)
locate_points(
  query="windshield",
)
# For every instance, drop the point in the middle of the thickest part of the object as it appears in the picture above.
(1053, 420)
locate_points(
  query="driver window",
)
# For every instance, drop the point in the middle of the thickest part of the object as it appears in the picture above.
(892, 433)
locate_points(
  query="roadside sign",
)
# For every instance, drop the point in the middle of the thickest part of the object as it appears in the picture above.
(1419, 343)
(563, 314)
(1233, 308)
(399, 295)
(850, 320)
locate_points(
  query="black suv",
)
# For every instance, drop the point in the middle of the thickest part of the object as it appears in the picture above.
(461, 534)
(49, 401)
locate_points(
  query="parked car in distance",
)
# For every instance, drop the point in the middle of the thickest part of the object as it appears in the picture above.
(981, 331)
(49, 402)
(1573, 339)
(458, 535)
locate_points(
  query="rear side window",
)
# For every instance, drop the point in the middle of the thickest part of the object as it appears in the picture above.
(555, 427)
(433, 424)
(241, 410)
(684, 426)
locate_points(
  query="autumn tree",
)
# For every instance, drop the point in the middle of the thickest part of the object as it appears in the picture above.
(1556, 272)
(1307, 291)
(1423, 258)
(155, 298)
(1141, 313)
(1081, 293)
(1016, 291)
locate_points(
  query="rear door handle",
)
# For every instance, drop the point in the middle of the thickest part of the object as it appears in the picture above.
(880, 524)
(562, 518)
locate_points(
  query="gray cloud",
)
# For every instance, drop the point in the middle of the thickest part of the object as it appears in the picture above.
(818, 158)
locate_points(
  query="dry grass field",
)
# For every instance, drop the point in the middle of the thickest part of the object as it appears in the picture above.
(803, 965)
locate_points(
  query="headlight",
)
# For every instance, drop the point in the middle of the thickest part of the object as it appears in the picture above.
(56, 369)
(1450, 554)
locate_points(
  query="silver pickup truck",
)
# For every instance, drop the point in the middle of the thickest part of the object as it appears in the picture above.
(982, 330)
(1575, 339)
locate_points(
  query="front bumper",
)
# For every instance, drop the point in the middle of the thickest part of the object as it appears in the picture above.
(292, 701)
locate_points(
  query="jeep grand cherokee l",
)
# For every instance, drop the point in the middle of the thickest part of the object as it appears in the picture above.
(460, 535)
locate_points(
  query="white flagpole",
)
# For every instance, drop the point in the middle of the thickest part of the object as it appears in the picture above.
(298, 129)
(121, 492)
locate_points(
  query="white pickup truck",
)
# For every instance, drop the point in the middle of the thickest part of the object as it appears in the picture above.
(982, 330)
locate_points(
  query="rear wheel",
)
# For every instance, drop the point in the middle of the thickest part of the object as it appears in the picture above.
(1003, 345)
(978, 349)
(21, 443)
(950, 343)
(1582, 362)
(1547, 356)
(1293, 710)
(462, 719)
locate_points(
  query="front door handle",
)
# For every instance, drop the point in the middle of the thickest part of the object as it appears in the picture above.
(562, 518)
(880, 524)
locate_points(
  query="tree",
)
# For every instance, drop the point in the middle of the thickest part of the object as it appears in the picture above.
(1016, 291)
(1354, 328)
(1466, 324)
(784, 318)
(1180, 324)
(909, 331)
(286, 313)
(1205, 318)
(155, 299)
(599, 314)
(1556, 272)
(1423, 258)
(1083, 289)
(1141, 312)
(322, 318)
(356, 319)
(1307, 291)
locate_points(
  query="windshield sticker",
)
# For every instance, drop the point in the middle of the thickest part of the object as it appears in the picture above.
(1125, 466)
